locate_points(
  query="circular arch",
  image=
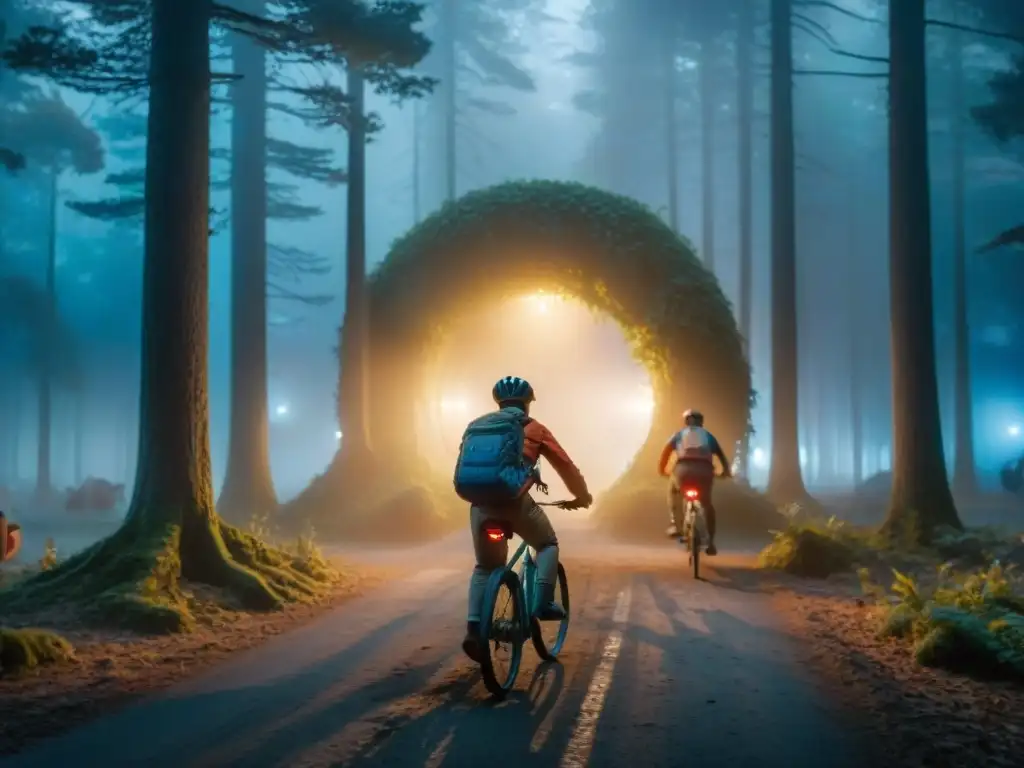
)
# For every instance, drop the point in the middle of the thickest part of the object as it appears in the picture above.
(609, 251)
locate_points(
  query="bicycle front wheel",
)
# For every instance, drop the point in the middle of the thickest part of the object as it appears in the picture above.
(501, 632)
(549, 636)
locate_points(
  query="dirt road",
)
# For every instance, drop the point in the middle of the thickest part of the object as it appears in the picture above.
(658, 670)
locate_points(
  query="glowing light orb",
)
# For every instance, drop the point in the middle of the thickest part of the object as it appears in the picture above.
(1013, 430)
(282, 410)
(759, 458)
(337, 435)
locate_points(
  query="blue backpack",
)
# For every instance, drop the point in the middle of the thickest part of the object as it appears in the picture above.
(491, 470)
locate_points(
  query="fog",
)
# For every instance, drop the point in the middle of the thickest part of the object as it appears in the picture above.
(591, 109)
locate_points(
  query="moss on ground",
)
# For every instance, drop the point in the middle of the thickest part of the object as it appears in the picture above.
(962, 609)
(133, 579)
(22, 650)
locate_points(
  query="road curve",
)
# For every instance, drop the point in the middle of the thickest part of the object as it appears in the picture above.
(658, 670)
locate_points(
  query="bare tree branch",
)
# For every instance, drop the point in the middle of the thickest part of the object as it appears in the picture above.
(974, 30)
(839, 73)
(835, 7)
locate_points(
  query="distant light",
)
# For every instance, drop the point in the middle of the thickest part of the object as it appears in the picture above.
(642, 404)
(1013, 430)
(803, 457)
(454, 405)
(759, 458)
(282, 410)
(337, 435)
(540, 302)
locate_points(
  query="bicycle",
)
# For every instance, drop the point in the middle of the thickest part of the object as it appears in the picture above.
(521, 587)
(695, 525)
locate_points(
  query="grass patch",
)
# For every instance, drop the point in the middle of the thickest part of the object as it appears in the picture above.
(22, 650)
(968, 622)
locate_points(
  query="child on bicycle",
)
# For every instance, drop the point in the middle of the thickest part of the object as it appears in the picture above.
(522, 515)
(695, 449)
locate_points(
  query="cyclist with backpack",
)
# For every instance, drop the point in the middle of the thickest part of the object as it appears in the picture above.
(496, 468)
(695, 449)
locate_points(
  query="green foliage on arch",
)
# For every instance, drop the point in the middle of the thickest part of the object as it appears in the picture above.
(609, 251)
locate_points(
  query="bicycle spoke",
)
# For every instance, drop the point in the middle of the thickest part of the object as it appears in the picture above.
(502, 630)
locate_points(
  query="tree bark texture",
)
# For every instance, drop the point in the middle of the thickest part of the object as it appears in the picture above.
(921, 498)
(785, 480)
(248, 484)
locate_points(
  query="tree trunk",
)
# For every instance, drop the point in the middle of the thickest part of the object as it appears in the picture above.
(671, 128)
(921, 498)
(785, 480)
(129, 443)
(16, 431)
(744, 121)
(248, 484)
(44, 482)
(707, 153)
(352, 388)
(449, 90)
(856, 330)
(171, 530)
(79, 436)
(965, 479)
(416, 183)
(9, 430)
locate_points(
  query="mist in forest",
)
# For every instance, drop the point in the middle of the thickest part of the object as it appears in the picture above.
(647, 98)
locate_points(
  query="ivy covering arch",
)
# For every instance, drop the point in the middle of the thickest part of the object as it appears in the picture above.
(606, 250)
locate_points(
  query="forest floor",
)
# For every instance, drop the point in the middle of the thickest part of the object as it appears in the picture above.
(931, 716)
(928, 716)
(112, 668)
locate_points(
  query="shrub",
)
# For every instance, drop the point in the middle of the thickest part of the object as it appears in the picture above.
(971, 622)
(49, 559)
(25, 649)
(811, 546)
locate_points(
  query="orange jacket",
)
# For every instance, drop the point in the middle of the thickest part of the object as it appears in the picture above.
(540, 442)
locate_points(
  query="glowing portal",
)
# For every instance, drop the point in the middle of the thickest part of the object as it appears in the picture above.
(759, 458)
(1013, 430)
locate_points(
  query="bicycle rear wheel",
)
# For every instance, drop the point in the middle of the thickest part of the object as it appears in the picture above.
(696, 541)
(549, 636)
(501, 632)
(695, 553)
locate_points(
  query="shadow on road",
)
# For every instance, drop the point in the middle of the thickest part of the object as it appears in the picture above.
(462, 727)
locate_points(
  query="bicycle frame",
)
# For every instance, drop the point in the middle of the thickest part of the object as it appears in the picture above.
(527, 574)
(694, 517)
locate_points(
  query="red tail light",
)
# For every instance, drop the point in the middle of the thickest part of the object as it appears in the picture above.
(495, 534)
(691, 493)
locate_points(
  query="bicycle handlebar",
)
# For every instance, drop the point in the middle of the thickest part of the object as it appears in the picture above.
(562, 504)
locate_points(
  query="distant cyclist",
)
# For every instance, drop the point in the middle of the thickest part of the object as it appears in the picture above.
(695, 449)
(495, 471)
